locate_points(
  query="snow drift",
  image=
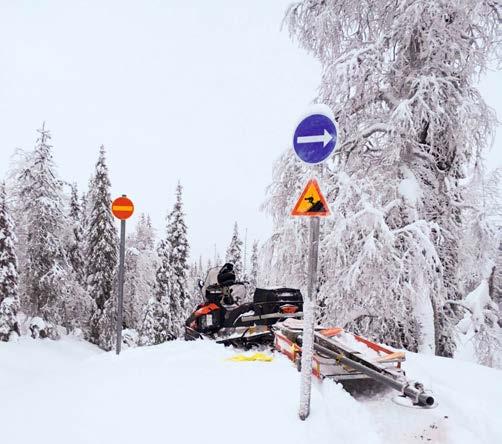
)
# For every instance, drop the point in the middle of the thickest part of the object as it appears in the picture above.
(69, 391)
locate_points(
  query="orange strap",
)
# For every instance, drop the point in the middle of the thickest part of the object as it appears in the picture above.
(373, 345)
(330, 332)
(396, 356)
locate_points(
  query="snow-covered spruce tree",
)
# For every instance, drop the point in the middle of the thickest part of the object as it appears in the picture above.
(178, 246)
(155, 324)
(46, 268)
(75, 249)
(200, 268)
(84, 208)
(158, 325)
(400, 79)
(101, 257)
(172, 275)
(9, 299)
(234, 253)
(253, 278)
(165, 315)
(140, 266)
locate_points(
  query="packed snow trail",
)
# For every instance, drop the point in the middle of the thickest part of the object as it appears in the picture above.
(188, 392)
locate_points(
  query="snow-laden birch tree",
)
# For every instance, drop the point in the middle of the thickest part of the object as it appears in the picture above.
(75, 304)
(400, 77)
(283, 258)
(482, 324)
(140, 267)
(497, 275)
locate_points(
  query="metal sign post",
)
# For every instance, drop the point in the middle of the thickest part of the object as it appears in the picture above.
(120, 301)
(309, 321)
(314, 140)
(122, 208)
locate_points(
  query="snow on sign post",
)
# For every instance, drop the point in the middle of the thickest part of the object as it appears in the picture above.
(122, 208)
(314, 140)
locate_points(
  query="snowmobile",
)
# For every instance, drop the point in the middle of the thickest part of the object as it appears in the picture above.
(224, 315)
(354, 361)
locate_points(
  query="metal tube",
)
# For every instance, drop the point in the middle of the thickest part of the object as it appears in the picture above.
(120, 298)
(415, 392)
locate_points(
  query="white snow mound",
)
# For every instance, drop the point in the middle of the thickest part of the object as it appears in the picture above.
(67, 391)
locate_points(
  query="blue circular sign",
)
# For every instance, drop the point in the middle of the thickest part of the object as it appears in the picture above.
(315, 138)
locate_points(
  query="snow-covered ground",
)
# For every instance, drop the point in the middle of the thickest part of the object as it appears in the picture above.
(69, 392)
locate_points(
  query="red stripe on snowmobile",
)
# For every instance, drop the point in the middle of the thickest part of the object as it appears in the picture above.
(206, 309)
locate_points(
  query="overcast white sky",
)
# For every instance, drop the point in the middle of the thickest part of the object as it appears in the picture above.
(204, 92)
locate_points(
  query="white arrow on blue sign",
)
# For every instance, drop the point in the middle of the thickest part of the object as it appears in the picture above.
(315, 138)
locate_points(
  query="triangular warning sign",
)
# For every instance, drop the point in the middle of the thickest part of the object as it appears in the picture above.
(311, 203)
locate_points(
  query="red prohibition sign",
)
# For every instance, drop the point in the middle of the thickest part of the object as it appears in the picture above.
(122, 208)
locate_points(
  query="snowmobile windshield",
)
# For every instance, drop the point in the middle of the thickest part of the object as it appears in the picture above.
(211, 278)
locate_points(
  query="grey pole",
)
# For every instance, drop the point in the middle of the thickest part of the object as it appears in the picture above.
(120, 299)
(309, 322)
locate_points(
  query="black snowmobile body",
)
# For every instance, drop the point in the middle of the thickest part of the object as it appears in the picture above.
(222, 318)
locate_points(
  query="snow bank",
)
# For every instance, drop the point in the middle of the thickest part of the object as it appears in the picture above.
(70, 392)
(469, 409)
